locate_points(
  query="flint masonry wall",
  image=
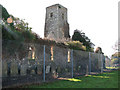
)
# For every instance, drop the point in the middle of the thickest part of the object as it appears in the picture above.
(56, 25)
(18, 67)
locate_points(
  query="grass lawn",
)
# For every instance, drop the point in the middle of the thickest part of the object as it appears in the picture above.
(104, 80)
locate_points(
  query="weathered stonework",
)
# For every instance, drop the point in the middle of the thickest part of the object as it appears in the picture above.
(56, 25)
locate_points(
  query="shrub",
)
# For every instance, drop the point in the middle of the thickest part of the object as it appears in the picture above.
(77, 45)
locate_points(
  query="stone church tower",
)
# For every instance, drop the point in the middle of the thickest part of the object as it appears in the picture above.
(56, 25)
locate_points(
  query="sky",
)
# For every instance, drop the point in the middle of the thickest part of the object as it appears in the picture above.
(98, 19)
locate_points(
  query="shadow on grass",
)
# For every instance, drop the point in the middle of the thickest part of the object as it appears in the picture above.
(104, 80)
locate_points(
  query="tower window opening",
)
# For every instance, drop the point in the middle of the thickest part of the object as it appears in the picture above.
(59, 6)
(51, 15)
(62, 16)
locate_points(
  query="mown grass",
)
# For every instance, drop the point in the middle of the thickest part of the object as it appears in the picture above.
(104, 80)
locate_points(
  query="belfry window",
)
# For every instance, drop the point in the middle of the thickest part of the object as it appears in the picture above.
(59, 6)
(51, 15)
(62, 16)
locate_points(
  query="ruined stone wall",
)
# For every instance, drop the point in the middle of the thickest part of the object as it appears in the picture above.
(17, 66)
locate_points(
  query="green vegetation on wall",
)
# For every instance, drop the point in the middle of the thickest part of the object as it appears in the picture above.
(80, 36)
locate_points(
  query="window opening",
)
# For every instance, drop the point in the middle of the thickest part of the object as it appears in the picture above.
(62, 16)
(68, 55)
(51, 53)
(51, 15)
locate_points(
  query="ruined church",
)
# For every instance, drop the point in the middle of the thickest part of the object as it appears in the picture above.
(56, 25)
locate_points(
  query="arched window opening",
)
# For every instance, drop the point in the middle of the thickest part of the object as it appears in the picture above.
(68, 55)
(51, 53)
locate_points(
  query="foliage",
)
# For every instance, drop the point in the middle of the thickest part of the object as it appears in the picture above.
(80, 36)
(5, 14)
(20, 24)
(115, 58)
(99, 50)
(92, 49)
(17, 30)
(77, 45)
(6, 34)
(116, 46)
(28, 35)
(115, 61)
(117, 54)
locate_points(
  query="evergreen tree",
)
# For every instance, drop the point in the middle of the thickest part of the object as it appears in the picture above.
(80, 36)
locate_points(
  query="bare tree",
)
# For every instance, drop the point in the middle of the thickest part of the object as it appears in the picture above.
(116, 46)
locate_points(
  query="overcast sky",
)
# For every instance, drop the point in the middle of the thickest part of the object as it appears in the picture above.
(97, 18)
